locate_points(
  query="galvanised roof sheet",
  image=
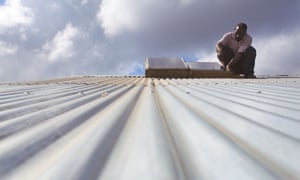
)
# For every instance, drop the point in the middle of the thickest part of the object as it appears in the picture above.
(165, 63)
(110, 127)
(203, 66)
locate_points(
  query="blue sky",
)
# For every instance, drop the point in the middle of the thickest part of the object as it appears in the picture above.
(49, 39)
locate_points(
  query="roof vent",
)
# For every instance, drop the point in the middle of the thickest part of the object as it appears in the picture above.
(178, 68)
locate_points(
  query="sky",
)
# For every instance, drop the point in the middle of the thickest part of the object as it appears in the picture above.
(51, 39)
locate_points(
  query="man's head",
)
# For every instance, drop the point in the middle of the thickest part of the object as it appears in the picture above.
(240, 31)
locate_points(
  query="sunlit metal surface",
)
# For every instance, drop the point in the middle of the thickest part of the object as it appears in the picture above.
(110, 127)
(178, 68)
(165, 63)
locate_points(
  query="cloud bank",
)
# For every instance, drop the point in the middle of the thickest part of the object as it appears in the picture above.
(62, 45)
(13, 14)
(48, 39)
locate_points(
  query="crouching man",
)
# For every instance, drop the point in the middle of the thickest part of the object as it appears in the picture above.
(235, 52)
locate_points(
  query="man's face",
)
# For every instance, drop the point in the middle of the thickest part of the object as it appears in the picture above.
(239, 33)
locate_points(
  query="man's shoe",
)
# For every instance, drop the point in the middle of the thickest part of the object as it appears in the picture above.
(250, 76)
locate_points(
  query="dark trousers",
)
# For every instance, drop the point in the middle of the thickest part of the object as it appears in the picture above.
(244, 65)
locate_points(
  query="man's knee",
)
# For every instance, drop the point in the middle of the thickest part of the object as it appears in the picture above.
(251, 52)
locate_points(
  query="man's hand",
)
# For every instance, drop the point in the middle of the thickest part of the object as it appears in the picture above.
(228, 68)
(236, 58)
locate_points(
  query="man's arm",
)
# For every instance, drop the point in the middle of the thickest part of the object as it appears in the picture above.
(234, 60)
(219, 48)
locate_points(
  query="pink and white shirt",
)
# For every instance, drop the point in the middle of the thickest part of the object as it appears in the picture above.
(236, 46)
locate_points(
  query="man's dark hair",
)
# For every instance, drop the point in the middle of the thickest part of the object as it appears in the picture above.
(242, 25)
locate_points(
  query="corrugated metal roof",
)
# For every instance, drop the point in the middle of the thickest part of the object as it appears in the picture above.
(147, 128)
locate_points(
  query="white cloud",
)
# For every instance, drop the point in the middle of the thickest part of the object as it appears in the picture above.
(13, 13)
(84, 2)
(7, 49)
(279, 54)
(127, 68)
(115, 16)
(118, 16)
(61, 46)
(97, 51)
(207, 56)
(54, 6)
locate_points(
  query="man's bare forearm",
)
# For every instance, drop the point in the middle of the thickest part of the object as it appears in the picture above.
(235, 59)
